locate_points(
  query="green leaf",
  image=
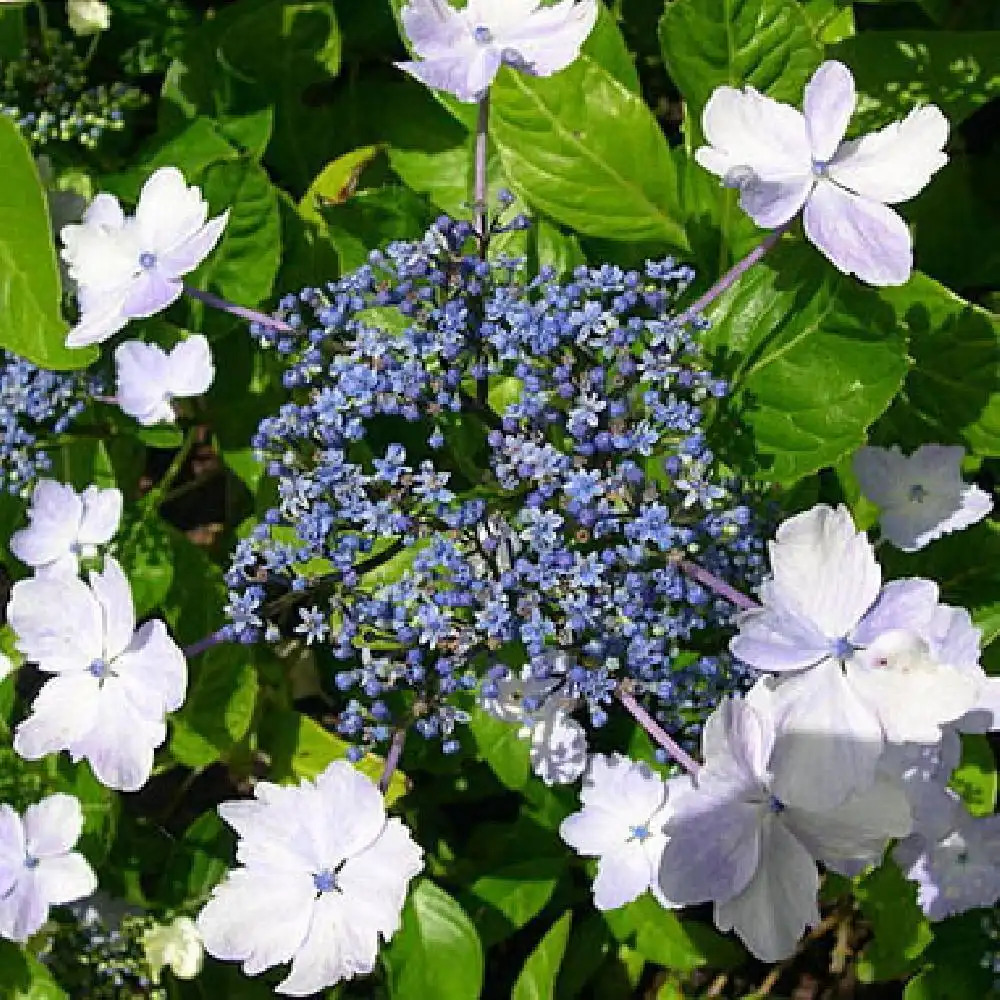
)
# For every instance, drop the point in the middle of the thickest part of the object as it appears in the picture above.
(814, 358)
(301, 748)
(31, 322)
(538, 977)
(436, 951)
(767, 44)
(897, 70)
(498, 743)
(513, 895)
(245, 262)
(956, 970)
(219, 707)
(660, 936)
(144, 547)
(336, 182)
(900, 931)
(23, 977)
(587, 152)
(975, 779)
(197, 862)
(953, 389)
(590, 945)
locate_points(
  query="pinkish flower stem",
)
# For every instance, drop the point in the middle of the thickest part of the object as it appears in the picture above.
(202, 645)
(734, 273)
(720, 587)
(479, 188)
(251, 315)
(657, 732)
(392, 759)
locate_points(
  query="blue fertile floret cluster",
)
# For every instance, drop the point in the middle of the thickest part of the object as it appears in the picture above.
(34, 404)
(479, 471)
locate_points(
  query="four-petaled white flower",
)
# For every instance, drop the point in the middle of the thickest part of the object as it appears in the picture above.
(148, 377)
(921, 496)
(857, 664)
(88, 17)
(733, 842)
(65, 526)
(113, 683)
(783, 160)
(324, 876)
(127, 267)
(38, 866)
(176, 945)
(461, 51)
(625, 805)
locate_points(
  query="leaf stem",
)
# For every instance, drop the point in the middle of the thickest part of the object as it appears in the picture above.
(720, 587)
(479, 184)
(392, 759)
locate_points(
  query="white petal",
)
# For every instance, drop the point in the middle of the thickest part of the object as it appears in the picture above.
(880, 473)
(829, 741)
(337, 946)
(748, 131)
(558, 748)
(777, 640)
(466, 75)
(186, 256)
(71, 640)
(100, 322)
(64, 711)
(257, 917)
(65, 878)
(739, 738)
(828, 106)
(772, 913)
(53, 825)
(903, 604)
(859, 236)
(55, 514)
(594, 830)
(112, 590)
(772, 203)
(433, 27)
(189, 367)
(897, 162)
(23, 910)
(549, 39)
(348, 815)
(153, 670)
(622, 876)
(11, 847)
(102, 512)
(855, 834)
(169, 212)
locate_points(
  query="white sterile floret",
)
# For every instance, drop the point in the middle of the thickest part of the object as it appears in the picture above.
(855, 663)
(732, 841)
(65, 526)
(461, 51)
(625, 805)
(784, 160)
(38, 866)
(88, 17)
(324, 878)
(922, 496)
(128, 267)
(149, 378)
(176, 945)
(112, 685)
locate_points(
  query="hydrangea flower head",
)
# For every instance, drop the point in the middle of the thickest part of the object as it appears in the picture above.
(65, 526)
(851, 657)
(38, 866)
(148, 377)
(127, 267)
(324, 877)
(625, 805)
(784, 161)
(461, 51)
(112, 685)
(922, 496)
(733, 841)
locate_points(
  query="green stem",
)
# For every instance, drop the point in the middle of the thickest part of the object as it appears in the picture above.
(158, 493)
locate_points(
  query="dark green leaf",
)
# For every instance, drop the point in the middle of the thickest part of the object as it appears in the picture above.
(513, 895)
(538, 977)
(975, 779)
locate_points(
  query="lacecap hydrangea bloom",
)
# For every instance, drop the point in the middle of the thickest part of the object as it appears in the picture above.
(785, 161)
(855, 664)
(323, 879)
(148, 378)
(461, 51)
(112, 683)
(921, 496)
(566, 417)
(127, 267)
(66, 526)
(38, 866)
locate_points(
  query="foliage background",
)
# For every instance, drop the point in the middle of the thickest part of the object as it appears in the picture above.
(291, 113)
